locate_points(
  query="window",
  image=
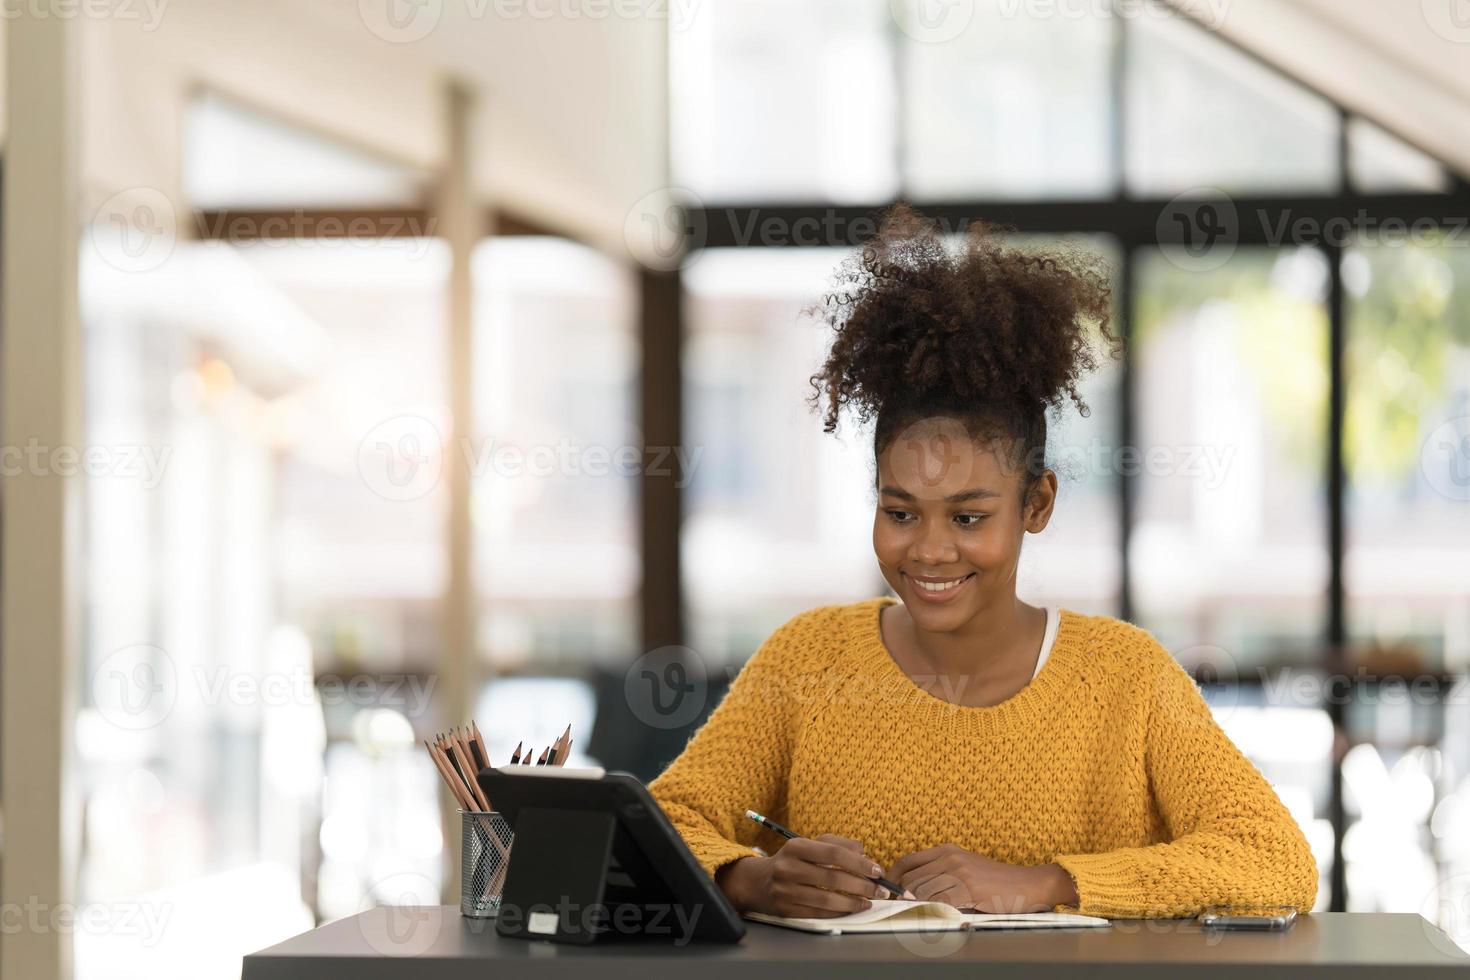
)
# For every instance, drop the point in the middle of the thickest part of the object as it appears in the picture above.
(815, 80)
(1228, 548)
(1200, 113)
(1407, 448)
(1075, 562)
(778, 512)
(234, 157)
(1017, 105)
(290, 531)
(1379, 162)
(556, 466)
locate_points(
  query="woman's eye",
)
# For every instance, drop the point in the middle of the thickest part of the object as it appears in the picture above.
(899, 516)
(969, 520)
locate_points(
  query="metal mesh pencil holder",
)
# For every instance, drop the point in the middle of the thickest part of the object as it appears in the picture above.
(485, 856)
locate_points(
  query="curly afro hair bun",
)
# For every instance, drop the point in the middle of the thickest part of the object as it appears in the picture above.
(983, 331)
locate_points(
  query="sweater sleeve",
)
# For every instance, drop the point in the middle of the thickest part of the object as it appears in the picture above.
(737, 760)
(1233, 843)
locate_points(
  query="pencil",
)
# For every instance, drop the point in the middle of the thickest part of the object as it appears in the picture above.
(793, 835)
(444, 774)
(516, 755)
(470, 781)
(472, 746)
(542, 760)
(457, 789)
(480, 741)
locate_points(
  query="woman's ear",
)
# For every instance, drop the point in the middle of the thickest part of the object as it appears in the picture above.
(1040, 500)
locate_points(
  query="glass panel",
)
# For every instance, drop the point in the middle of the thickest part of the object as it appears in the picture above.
(1378, 161)
(1389, 795)
(262, 567)
(783, 99)
(234, 157)
(1291, 743)
(1201, 113)
(555, 471)
(1228, 548)
(1075, 562)
(1407, 447)
(1451, 816)
(779, 513)
(1018, 104)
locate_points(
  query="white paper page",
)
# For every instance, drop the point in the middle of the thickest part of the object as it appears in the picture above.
(882, 910)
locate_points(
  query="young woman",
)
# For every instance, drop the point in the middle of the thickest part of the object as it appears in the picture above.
(964, 744)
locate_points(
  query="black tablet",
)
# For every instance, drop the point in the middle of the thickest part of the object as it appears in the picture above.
(586, 838)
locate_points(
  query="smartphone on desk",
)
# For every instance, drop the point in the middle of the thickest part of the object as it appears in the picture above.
(1268, 921)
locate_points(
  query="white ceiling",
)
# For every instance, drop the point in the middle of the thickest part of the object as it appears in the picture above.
(1404, 64)
(570, 125)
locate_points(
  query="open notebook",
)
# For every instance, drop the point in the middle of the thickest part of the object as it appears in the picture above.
(908, 916)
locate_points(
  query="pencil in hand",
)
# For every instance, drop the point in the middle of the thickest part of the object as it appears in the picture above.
(767, 822)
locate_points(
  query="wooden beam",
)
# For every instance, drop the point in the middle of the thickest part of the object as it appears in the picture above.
(460, 223)
(661, 603)
(40, 357)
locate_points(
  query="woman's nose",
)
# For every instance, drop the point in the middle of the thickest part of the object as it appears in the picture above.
(934, 546)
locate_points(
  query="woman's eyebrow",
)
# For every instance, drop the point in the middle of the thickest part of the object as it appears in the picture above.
(974, 493)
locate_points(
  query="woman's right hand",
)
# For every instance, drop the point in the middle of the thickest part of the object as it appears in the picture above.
(813, 878)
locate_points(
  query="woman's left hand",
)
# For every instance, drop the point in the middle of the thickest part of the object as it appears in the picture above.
(949, 873)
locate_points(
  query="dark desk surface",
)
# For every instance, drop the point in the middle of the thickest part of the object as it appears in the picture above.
(437, 944)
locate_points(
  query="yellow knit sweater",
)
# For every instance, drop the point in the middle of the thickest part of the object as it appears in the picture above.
(1108, 763)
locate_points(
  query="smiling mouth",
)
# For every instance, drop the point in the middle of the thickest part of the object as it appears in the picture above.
(938, 587)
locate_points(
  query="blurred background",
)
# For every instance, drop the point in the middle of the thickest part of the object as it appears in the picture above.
(372, 365)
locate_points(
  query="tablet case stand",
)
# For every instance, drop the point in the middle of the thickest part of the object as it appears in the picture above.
(557, 875)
